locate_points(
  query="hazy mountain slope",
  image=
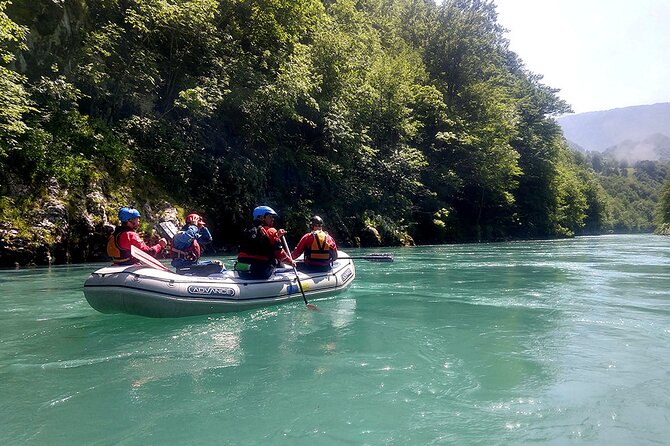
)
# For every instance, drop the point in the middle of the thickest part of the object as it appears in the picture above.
(655, 148)
(604, 129)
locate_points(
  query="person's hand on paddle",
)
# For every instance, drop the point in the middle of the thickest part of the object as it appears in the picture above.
(281, 232)
(162, 242)
(295, 270)
(287, 260)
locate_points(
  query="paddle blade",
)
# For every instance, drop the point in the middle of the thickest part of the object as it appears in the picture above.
(167, 229)
(312, 307)
(145, 259)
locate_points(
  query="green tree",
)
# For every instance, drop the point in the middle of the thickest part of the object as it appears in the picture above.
(14, 98)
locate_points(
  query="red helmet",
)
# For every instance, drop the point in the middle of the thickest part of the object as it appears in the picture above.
(193, 219)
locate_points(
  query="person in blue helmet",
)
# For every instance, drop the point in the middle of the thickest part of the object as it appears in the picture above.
(125, 236)
(261, 248)
(185, 251)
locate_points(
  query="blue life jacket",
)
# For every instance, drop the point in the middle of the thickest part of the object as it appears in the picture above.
(183, 239)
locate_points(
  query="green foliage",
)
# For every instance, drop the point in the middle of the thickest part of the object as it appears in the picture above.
(14, 98)
(635, 199)
(14, 104)
(406, 115)
(12, 35)
(663, 209)
(65, 144)
(8, 210)
(569, 215)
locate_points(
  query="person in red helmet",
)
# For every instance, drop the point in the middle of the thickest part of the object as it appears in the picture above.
(124, 236)
(318, 246)
(186, 249)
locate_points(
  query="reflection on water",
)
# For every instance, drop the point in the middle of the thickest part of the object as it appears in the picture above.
(343, 312)
(545, 341)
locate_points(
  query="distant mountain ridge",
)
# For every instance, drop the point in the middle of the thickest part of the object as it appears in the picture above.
(631, 133)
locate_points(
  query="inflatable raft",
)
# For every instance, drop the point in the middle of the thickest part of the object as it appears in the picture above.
(151, 292)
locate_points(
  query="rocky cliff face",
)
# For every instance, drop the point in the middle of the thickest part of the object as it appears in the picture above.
(67, 228)
(55, 29)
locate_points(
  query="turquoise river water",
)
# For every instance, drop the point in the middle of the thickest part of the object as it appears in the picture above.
(542, 342)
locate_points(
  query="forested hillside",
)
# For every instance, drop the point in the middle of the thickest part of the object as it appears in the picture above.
(405, 119)
(631, 194)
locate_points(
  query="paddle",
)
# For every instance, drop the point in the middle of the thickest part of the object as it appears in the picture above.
(295, 270)
(167, 229)
(145, 259)
(374, 257)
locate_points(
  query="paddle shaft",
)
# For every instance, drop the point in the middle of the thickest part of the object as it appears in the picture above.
(295, 270)
(372, 258)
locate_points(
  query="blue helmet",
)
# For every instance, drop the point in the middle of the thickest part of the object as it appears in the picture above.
(261, 211)
(126, 214)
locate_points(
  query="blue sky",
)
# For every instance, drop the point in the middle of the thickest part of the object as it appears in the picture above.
(602, 54)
